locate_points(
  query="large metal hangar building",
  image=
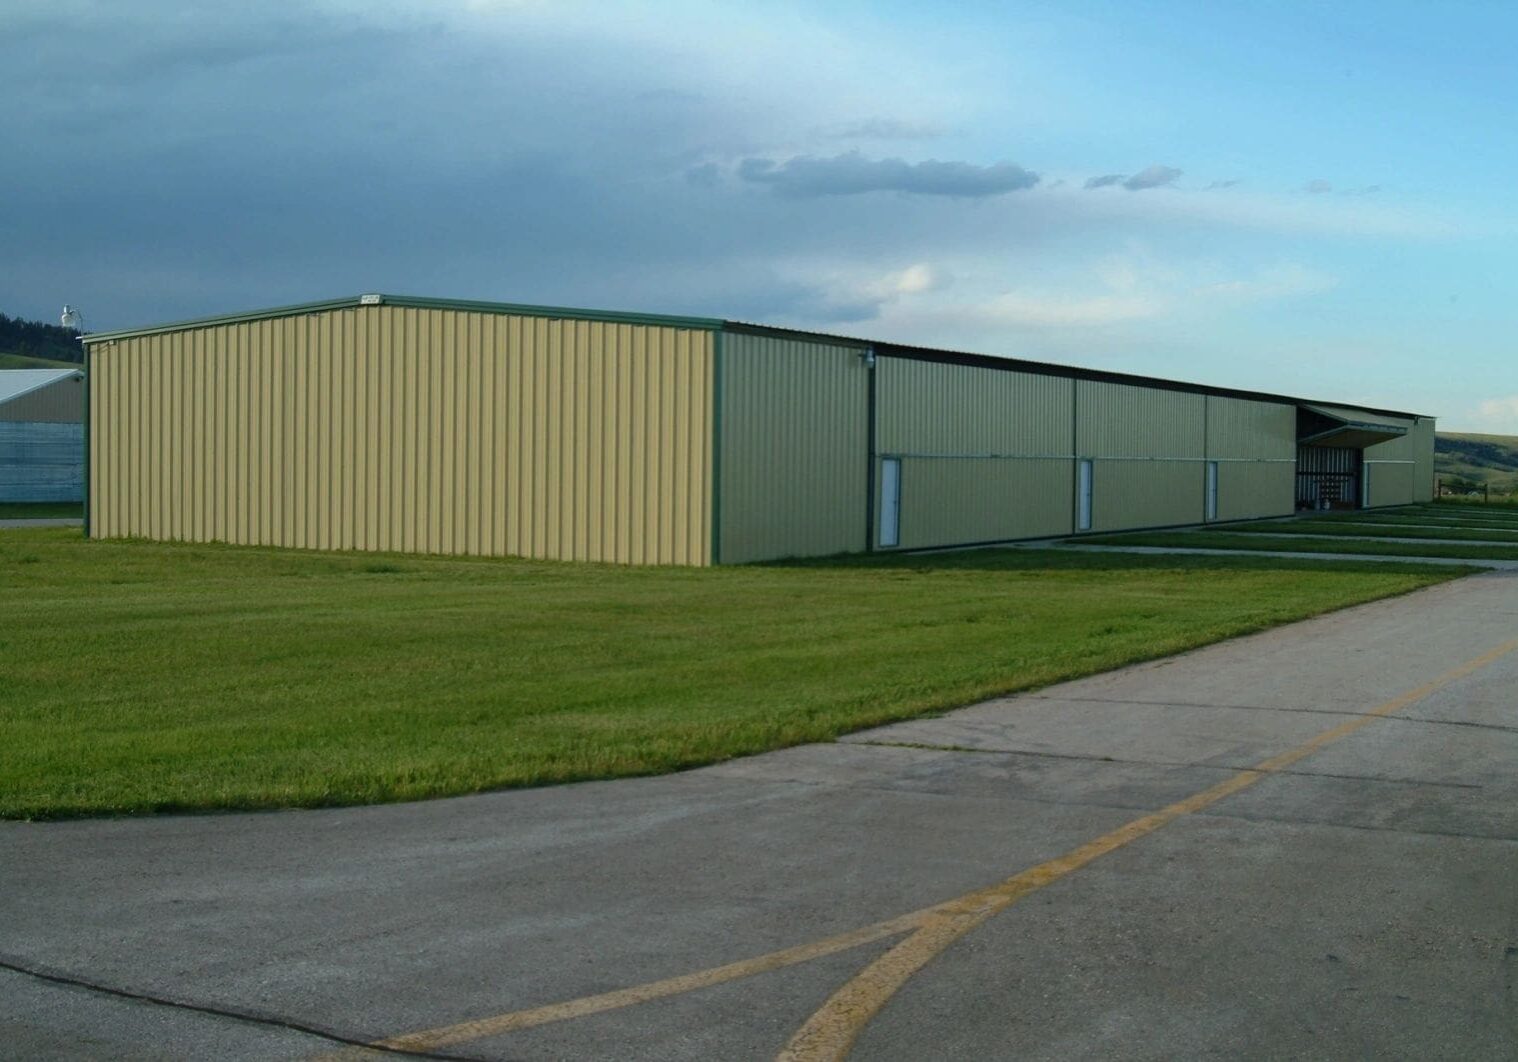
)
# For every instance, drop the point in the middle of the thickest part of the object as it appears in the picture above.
(383, 422)
(41, 435)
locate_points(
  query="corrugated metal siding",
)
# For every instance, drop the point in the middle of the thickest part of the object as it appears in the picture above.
(1120, 420)
(41, 461)
(985, 453)
(930, 408)
(418, 430)
(1423, 459)
(1255, 446)
(955, 501)
(1241, 429)
(1146, 448)
(1251, 489)
(1391, 483)
(57, 403)
(794, 449)
(1129, 494)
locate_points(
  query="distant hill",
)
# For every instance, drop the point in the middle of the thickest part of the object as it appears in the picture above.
(21, 361)
(1480, 460)
(33, 339)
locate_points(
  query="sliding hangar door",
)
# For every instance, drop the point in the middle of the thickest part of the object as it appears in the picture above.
(832, 447)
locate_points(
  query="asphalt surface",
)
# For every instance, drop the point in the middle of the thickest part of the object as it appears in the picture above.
(1355, 896)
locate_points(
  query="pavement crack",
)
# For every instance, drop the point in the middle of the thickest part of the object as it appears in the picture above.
(232, 1014)
(1278, 708)
(1089, 758)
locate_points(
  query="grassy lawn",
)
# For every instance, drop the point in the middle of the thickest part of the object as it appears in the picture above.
(142, 676)
(41, 510)
(22, 361)
(1335, 527)
(1298, 544)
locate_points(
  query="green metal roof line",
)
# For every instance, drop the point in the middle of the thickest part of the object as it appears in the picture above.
(412, 302)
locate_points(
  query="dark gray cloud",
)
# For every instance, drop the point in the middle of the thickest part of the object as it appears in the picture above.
(853, 174)
(1153, 177)
(1318, 186)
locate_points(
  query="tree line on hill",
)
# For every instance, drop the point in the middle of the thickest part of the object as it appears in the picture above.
(37, 340)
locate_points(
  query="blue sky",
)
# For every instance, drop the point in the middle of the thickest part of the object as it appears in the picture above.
(1306, 198)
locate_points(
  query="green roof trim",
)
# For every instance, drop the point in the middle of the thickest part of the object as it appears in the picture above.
(565, 313)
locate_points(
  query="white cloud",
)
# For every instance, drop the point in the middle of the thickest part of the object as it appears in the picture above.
(1275, 282)
(1494, 416)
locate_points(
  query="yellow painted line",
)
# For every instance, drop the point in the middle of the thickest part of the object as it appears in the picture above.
(579, 1008)
(831, 1031)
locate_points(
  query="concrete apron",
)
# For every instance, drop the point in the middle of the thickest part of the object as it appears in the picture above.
(1355, 901)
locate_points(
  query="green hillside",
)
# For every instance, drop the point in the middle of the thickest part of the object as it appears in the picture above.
(1480, 460)
(21, 361)
(34, 339)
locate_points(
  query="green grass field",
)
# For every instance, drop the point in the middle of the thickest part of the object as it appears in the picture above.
(22, 361)
(141, 676)
(41, 510)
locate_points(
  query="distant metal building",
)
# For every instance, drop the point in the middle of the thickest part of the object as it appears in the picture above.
(421, 425)
(41, 435)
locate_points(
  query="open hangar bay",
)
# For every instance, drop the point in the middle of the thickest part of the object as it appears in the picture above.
(382, 422)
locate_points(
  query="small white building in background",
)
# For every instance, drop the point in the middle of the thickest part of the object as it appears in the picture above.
(41, 435)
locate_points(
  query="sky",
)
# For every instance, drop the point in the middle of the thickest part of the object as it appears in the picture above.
(1311, 199)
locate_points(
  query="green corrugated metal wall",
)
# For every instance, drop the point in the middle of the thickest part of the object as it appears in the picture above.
(793, 463)
(985, 453)
(1146, 447)
(1255, 447)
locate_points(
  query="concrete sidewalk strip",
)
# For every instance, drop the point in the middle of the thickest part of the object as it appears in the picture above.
(43, 522)
(1395, 538)
(1372, 558)
(1367, 877)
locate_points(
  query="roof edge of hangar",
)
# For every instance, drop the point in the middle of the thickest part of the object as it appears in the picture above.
(567, 313)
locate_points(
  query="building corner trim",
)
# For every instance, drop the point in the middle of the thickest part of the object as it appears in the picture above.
(715, 503)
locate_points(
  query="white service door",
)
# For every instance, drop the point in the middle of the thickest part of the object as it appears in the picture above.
(890, 501)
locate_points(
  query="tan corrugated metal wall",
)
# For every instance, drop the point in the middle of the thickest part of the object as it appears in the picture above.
(418, 430)
(61, 402)
(1255, 447)
(794, 448)
(985, 453)
(1146, 448)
